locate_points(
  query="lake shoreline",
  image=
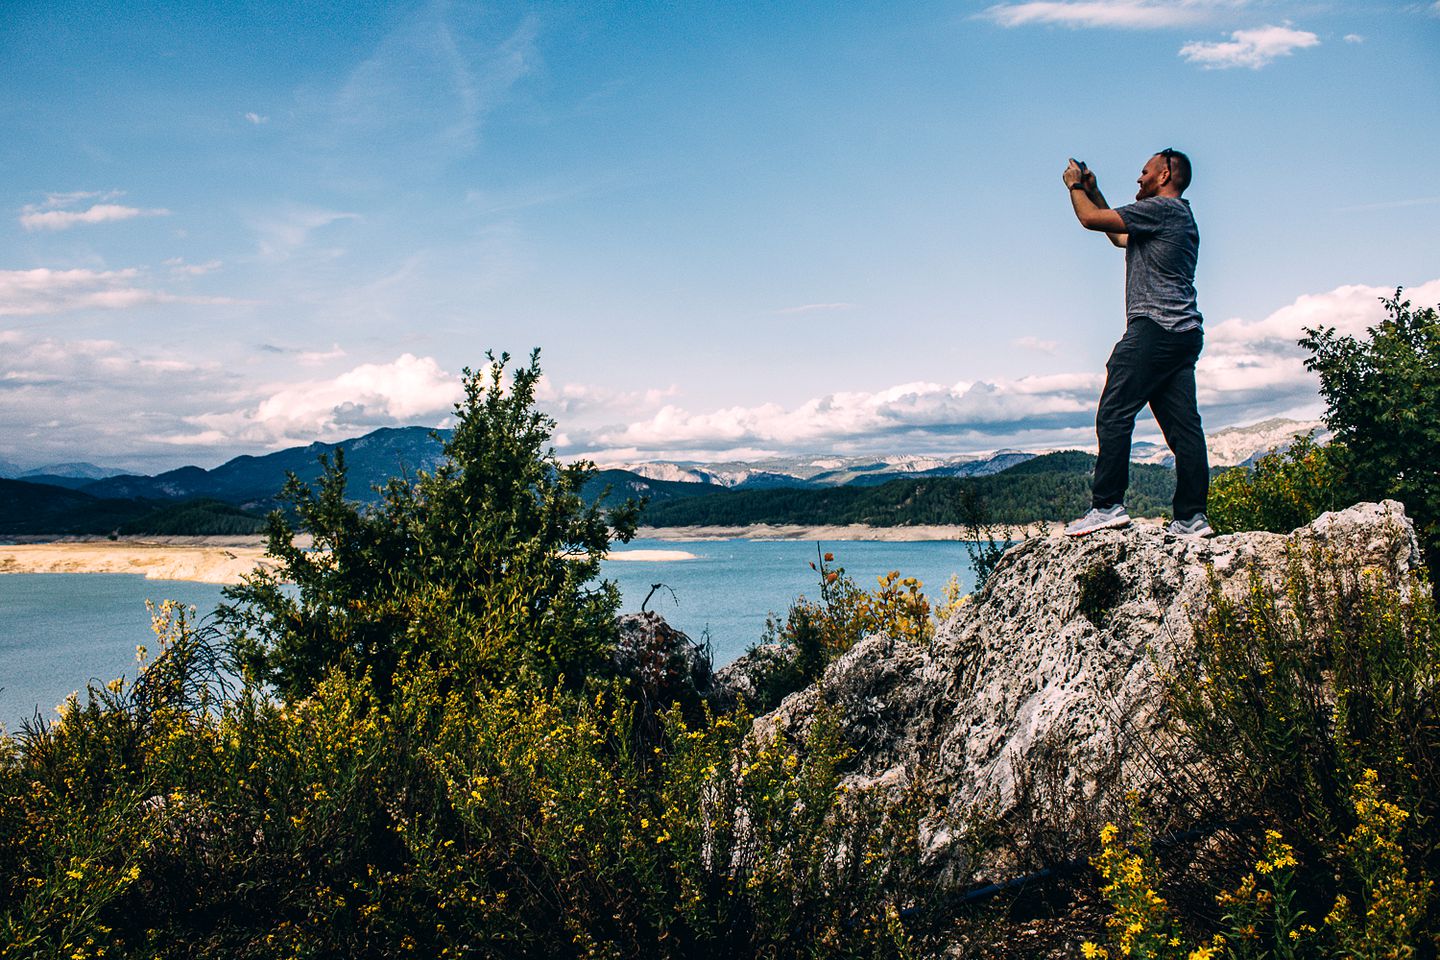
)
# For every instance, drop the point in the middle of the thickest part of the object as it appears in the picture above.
(226, 560)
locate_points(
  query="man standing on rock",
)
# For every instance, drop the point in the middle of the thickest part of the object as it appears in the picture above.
(1154, 362)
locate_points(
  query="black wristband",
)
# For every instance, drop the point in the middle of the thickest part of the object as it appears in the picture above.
(1077, 185)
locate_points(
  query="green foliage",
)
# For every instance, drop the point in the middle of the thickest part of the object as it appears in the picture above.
(1383, 393)
(983, 542)
(171, 818)
(1261, 919)
(483, 567)
(1291, 697)
(1284, 490)
(195, 518)
(816, 632)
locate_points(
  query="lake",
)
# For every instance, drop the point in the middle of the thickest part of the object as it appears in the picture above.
(58, 631)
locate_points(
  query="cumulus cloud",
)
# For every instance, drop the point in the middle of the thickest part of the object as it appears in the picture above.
(44, 291)
(1123, 14)
(35, 218)
(1249, 48)
(1250, 370)
(1255, 368)
(913, 413)
(97, 396)
(407, 390)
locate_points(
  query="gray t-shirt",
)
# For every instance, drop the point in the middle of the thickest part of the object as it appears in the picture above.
(1160, 262)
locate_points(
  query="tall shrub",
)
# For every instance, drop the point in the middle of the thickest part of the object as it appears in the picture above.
(486, 566)
(1383, 394)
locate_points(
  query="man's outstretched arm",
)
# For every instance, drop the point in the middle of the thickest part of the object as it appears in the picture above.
(1090, 207)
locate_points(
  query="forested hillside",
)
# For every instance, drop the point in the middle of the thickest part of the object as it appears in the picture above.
(1052, 487)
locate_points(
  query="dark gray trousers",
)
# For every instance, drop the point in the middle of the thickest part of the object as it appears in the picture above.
(1152, 365)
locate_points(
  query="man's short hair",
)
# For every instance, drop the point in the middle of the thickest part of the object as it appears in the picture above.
(1179, 166)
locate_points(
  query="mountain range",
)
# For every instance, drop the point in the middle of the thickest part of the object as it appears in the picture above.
(107, 499)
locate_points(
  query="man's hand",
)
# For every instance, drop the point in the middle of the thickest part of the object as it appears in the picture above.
(1073, 174)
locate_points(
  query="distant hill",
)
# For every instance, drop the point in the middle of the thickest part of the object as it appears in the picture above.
(39, 509)
(253, 482)
(814, 489)
(74, 471)
(1049, 487)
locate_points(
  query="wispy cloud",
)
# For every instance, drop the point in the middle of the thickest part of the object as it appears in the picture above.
(1249, 48)
(314, 358)
(179, 266)
(1389, 205)
(34, 218)
(1036, 344)
(44, 291)
(428, 85)
(1121, 14)
(283, 231)
(816, 308)
(1354, 38)
(256, 118)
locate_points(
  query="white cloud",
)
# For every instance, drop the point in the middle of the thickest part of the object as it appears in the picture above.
(430, 82)
(1354, 38)
(1250, 370)
(1036, 344)
(313, 358)
(179, 266)
(1123, 14)
(407, 390)
(34, 218)
(283, 231)
(44, 291)
(256, 118)
(1257, 366)
(917, 413)
(1249, 48)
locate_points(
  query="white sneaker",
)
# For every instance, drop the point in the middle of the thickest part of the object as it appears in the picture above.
(1196, 526)
(1097, 519)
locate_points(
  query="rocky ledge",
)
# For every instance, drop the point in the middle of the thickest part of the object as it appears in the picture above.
(1055, 663)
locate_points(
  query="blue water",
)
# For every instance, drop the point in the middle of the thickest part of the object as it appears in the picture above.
(60, 631)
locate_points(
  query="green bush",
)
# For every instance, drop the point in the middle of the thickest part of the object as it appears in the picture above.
(171, 819)
(1383, 393)
(1284, 490)
(815, 633)
(484, 567)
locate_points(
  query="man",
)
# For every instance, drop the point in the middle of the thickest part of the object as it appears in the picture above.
(1154, 362)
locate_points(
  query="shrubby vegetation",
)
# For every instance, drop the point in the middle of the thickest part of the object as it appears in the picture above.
(425, 747)
(1313, 714)
(814, 633)
(1284, 490)
(429, 752)
(482, 570)
(1382, 393)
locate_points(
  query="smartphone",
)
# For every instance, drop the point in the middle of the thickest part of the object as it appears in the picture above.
(1078, 163)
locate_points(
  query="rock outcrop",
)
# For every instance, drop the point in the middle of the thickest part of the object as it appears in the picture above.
(1057, 657)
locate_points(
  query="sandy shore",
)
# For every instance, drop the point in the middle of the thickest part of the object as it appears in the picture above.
(228, 559)
(766, 531)
(203, 562)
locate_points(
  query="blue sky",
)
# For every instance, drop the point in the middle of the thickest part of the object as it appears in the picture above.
(733, 230)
